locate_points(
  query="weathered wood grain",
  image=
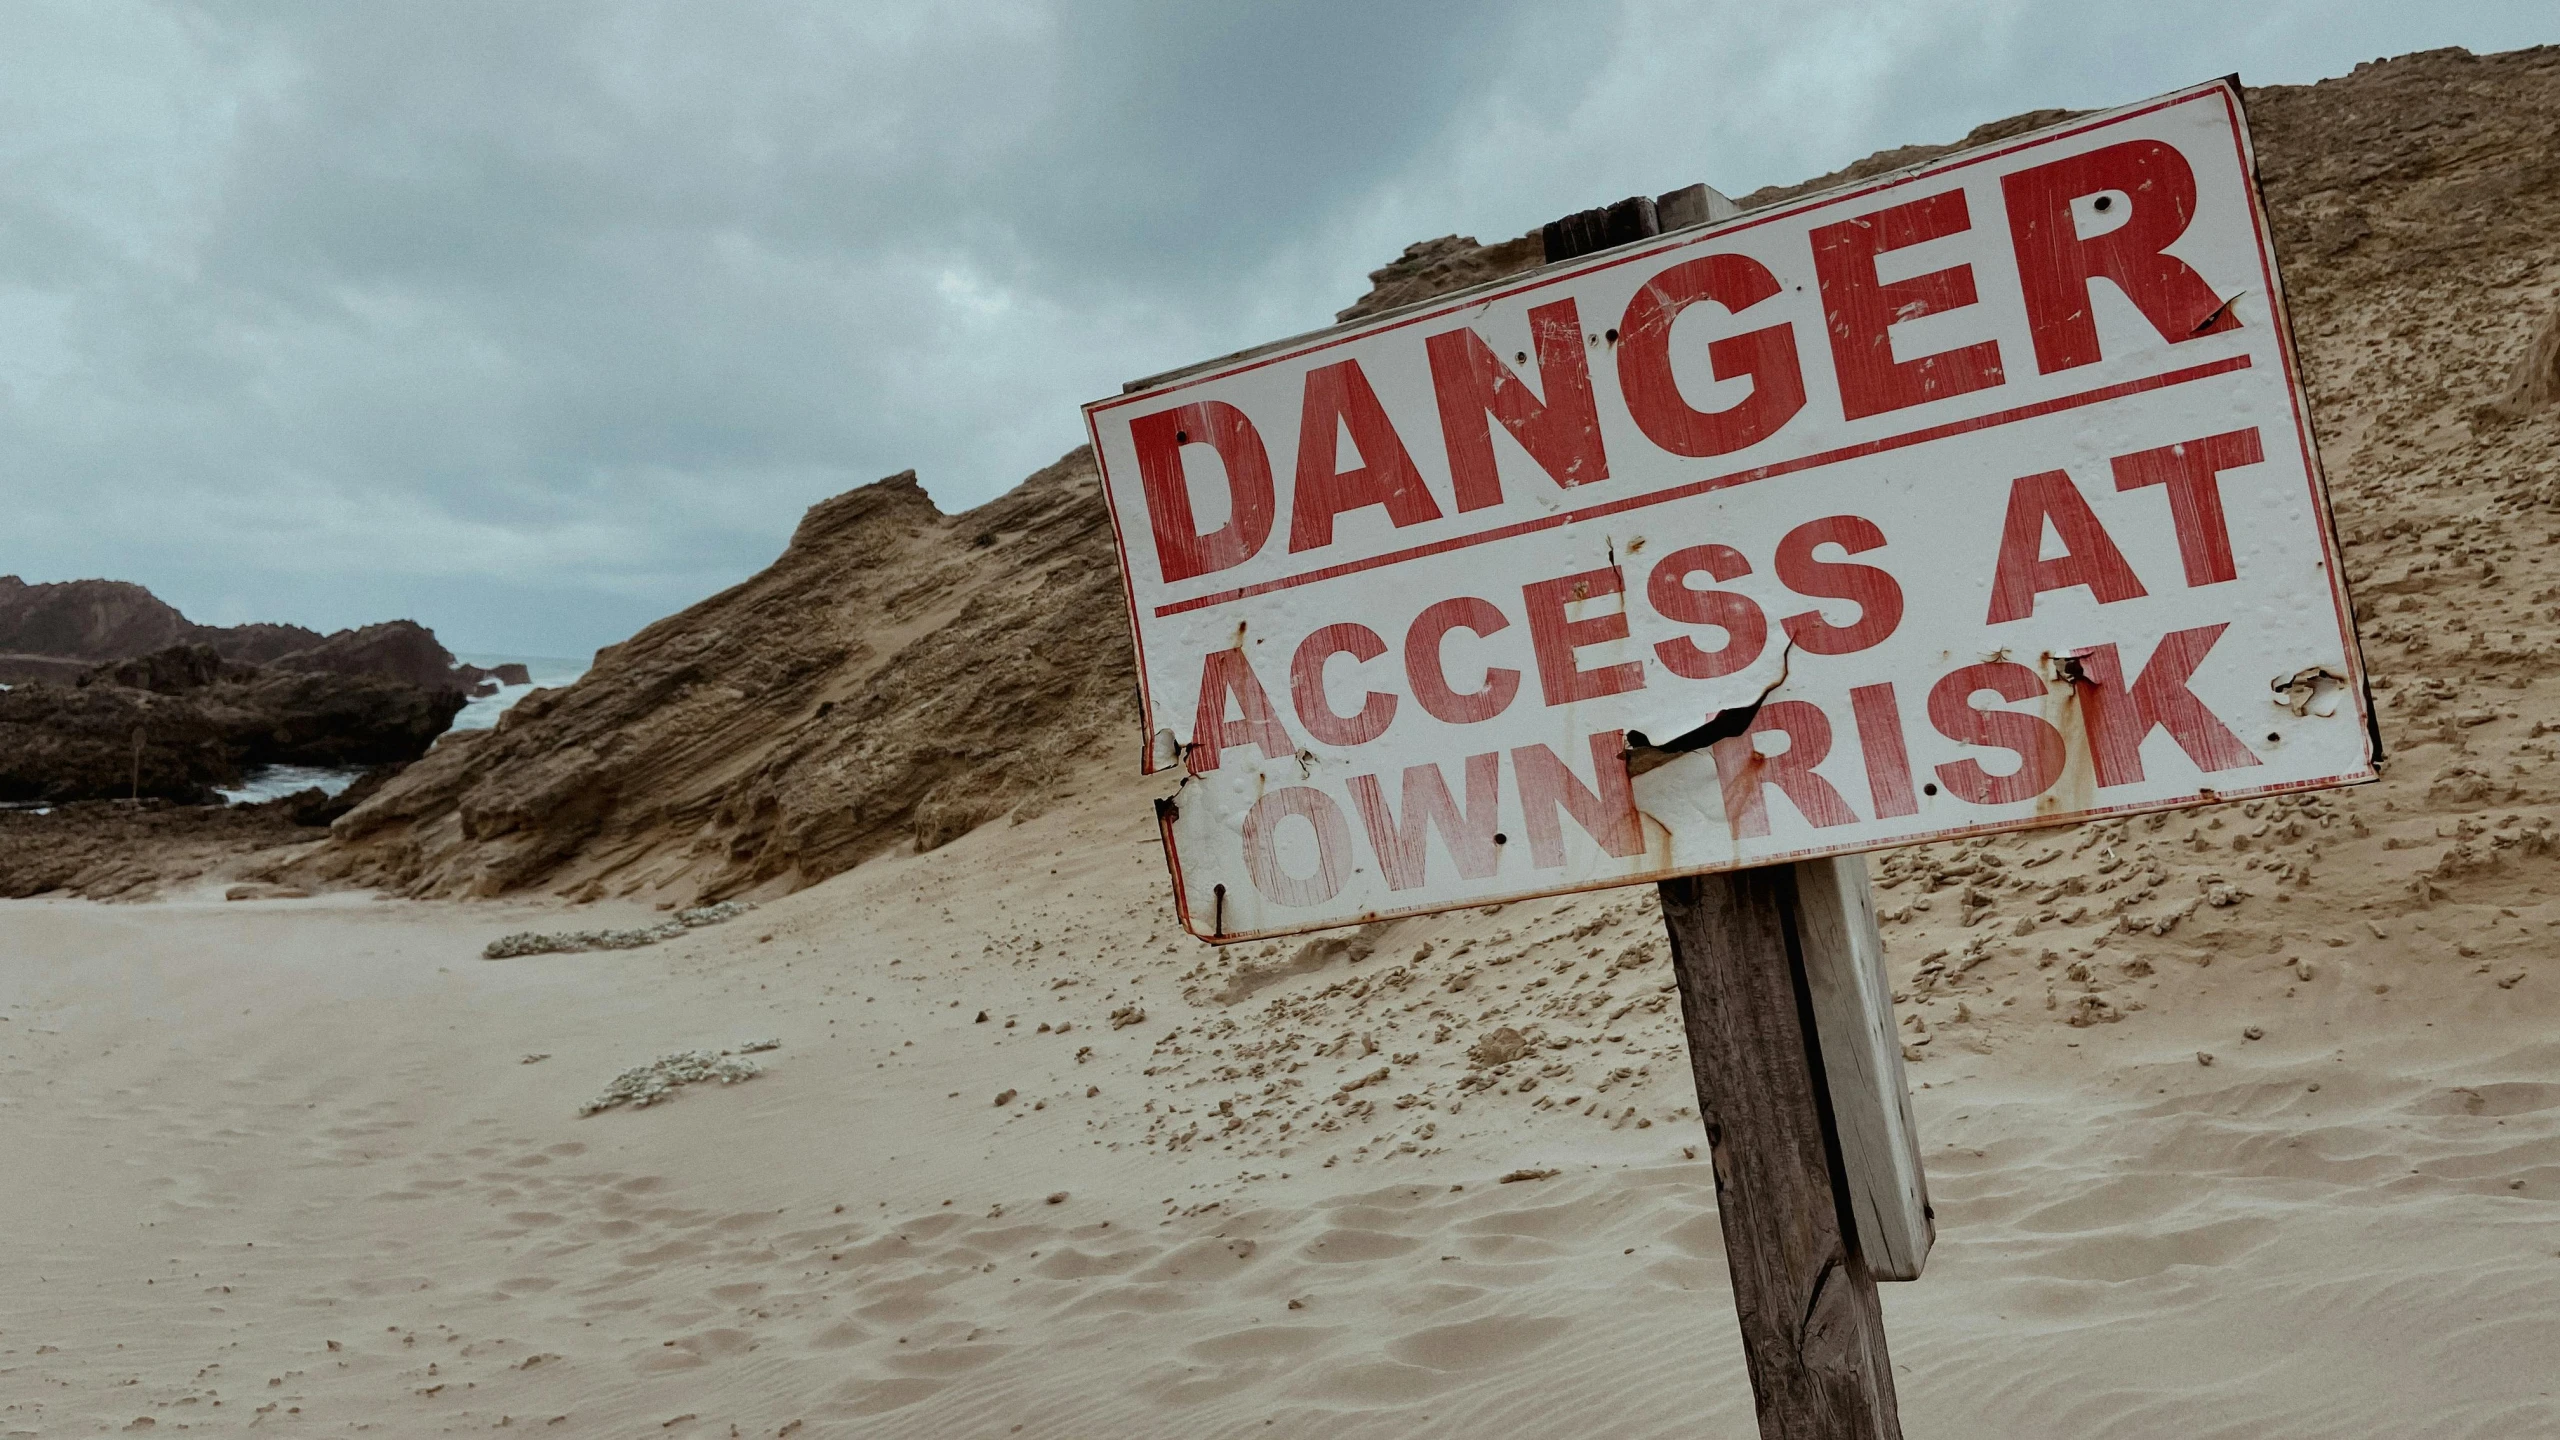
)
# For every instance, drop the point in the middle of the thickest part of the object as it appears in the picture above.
(1812, 1332)
(1888, 1195)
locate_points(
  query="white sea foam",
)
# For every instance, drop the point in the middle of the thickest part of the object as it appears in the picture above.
(274, 782)
(549, 673)
(270, 782)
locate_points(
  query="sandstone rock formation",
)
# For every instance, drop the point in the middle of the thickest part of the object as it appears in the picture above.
(897, 677)
(1436, 267)
(900, 675)
(1455, 262)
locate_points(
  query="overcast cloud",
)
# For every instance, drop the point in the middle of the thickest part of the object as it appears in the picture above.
(537, 321)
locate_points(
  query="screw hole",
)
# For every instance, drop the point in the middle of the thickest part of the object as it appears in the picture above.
(2105, 202)
(1520, 357)
(2274, 738)
(1501, 839)
(1929, 789)
(1611, 337)
(1181, 437)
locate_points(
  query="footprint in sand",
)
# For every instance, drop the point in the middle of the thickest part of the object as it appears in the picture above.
(1224, 1365)
(1477, 1344)
(1260, 1342)
(944, 1359)
(2129, 1255)
(1133, 1299)
(1337, 1247)
(1071, 1263)
(878, 1397)
(904, 1303)
(1207, 1258)
(689, 1351)
(1701, 1236)
(2496, 1100)
(840, 1335)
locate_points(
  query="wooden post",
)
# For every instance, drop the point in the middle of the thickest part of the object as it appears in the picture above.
(1812, 1331)
(1886, 1192)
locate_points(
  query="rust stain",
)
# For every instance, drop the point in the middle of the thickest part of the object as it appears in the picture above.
(1749, 782)
(2076, 788)
(1657, 840)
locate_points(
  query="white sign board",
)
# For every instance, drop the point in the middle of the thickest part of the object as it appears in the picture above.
(1990, 484)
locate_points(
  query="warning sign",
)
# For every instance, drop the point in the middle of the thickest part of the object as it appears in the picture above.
(1970, 498)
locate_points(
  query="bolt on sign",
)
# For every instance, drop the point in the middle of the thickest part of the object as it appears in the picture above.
(1969, 498)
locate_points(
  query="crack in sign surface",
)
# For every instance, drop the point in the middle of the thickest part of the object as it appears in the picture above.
(1643, 755)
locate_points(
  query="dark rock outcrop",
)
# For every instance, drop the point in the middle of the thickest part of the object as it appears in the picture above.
(55, 632)
(85, 619)
(257, 644)
(401, 650)
(173, 671)
(104, 741)
(112, 850)
(180, 722)
(280, 717)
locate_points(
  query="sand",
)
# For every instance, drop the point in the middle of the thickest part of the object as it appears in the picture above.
(295, 1163)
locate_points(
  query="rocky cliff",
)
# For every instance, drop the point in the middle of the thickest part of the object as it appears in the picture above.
(59, 631)
(900, 675)
(896, 677)
(175, 724)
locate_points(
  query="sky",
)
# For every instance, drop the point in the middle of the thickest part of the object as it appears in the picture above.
(536, 322)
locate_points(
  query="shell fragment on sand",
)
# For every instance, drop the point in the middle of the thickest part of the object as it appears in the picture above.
(527, 942)
(645, 1085)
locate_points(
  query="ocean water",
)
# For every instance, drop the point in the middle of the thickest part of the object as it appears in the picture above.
(549, 672)
(274, 782)
(269, 782)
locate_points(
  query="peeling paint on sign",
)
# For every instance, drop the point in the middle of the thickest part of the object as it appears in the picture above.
(1977, 497)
